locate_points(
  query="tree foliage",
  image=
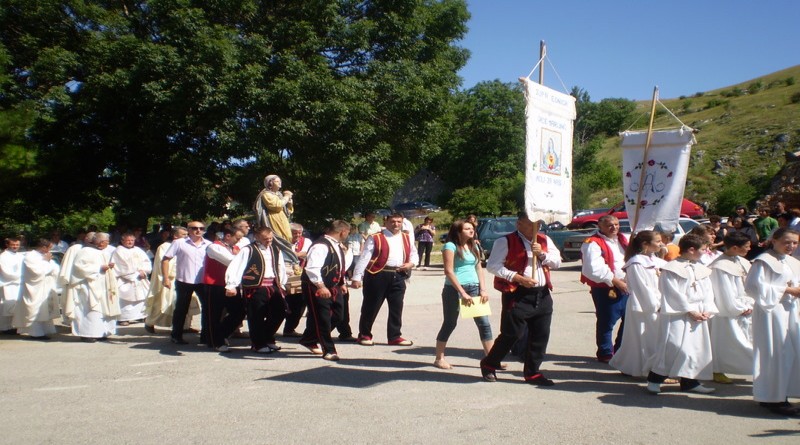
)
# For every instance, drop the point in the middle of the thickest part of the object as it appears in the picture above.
(182, 106)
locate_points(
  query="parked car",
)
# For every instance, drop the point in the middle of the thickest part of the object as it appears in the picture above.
(688, 210)
(416, 208)
(584, 212)
(572, 245)
(490, 229)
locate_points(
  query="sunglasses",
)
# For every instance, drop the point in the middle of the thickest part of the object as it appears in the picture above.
(197, 228)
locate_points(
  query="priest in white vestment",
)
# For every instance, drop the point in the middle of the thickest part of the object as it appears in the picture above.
(131, 267)
(10, 273)
(94, 292)
(160, 299)
(774, 283)
(640, 337)
(64, 275)
(37, 306)
(687, 304)
(731, 328)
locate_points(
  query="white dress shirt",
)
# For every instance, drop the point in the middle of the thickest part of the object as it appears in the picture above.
(495, 265)
(233, 275)
(396, 253)
(594, 265)
(189, 259)
(316, 259)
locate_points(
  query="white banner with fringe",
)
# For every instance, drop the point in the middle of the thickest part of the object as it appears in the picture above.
(549, 117)
(653, 187)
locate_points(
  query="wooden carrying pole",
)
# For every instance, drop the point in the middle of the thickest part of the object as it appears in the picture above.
(644, 157)
(542, 54)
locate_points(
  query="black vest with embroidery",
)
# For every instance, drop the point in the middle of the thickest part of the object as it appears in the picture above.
(332, 269)
(255, 270)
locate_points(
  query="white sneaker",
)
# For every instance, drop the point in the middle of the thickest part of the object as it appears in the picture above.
(265, 350)
(223, 348)
(654, 387)
(700, 389)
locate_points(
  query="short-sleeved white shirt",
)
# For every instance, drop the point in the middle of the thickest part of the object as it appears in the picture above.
(189, 259)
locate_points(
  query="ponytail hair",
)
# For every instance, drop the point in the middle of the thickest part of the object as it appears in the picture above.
(636, 245)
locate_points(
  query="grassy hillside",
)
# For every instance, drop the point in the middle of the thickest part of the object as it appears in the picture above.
(738, 128)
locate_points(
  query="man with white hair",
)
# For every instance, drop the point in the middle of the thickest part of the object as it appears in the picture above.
(96, 306)
(131, 266)
(296, 301)
(65, 273)
(10, 273)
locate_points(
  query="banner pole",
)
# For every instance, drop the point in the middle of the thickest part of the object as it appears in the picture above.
(542, 53)
(644, 158)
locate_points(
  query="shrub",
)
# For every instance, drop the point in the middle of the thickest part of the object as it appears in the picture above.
(755, 87)
(789, 81)
(716, 103)
(795, 98)
(685, 105)
(698, 94)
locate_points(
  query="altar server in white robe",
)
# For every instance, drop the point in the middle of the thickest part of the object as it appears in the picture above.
(774, 283)
(687, 304)
(161, 300)
(10, 273)
(37, 306)
(731, 328)
(640, 337)
(131, 267)
(94, 292)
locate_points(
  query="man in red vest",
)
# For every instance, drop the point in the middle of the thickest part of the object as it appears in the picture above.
(387, 259)
(521, 266)
(603, 256)
(218, 256)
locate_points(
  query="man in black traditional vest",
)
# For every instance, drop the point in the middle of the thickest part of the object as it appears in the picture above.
(260, 270)
(324, 287)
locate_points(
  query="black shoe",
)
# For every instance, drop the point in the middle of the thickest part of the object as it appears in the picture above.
(178, 341)
(488, 373)
(9, 332)
(539, 380)
(348, 338)
(782, 408)
(41, 337)
(88, 339)
(149, 329)
(292, 334)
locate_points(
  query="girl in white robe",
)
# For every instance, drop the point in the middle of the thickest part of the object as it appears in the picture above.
(731, 329)
(640, 337)
(774, 283)
(687, 303)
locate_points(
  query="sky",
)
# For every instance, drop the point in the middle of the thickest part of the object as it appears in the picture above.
(623, 49)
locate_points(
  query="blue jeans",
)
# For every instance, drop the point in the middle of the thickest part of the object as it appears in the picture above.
(609, 311)
(451, 305)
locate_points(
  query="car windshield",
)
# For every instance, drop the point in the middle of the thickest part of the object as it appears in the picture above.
(502, 226)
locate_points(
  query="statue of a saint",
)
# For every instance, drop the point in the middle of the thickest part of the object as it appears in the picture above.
(274, 209)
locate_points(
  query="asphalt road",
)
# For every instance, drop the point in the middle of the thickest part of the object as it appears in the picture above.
(141, 389)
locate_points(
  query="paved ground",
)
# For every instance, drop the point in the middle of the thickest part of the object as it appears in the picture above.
(141, 389)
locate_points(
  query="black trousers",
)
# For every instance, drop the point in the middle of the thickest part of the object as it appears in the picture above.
(526, 307)
(323, 315)
(344, 324)
(424, 248)
(297, 305)
(266, 310)
(183, 299)
(225, 314)
(387, 286)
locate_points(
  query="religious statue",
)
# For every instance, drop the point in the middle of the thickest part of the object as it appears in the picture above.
(274, 209)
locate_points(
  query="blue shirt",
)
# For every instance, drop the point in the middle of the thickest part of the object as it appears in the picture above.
(463, 267)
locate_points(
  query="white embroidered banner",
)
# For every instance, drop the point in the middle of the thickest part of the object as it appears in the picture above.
(654, 186)
(548, 156)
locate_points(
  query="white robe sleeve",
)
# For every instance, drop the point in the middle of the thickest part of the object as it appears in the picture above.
(646, 295)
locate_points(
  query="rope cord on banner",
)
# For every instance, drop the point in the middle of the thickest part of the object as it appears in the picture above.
(559, 77)
(534, 69)
(639, 117)
(672, 114)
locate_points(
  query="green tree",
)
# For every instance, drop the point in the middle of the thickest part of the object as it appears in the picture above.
(178, 106)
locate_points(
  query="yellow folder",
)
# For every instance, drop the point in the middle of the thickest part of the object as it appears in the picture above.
(477, 309)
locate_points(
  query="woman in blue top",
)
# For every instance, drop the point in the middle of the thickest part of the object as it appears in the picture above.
(463, 280)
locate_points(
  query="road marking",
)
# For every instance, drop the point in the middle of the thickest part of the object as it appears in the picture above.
(154, 363)
(61, 388)
(135, 379)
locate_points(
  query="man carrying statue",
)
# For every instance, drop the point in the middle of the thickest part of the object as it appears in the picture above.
(274, 208)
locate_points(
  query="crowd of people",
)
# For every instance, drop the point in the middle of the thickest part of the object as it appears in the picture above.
(693, 312)
(703, 309)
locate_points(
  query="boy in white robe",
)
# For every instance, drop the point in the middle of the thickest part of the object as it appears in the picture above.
(96, 305)
(774, 283)
(687, 303)
(131, 267)
(38, 301)
(10, 273)
(731, 333)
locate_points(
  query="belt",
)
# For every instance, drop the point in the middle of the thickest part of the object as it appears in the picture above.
(267, 282)
(390, 269)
